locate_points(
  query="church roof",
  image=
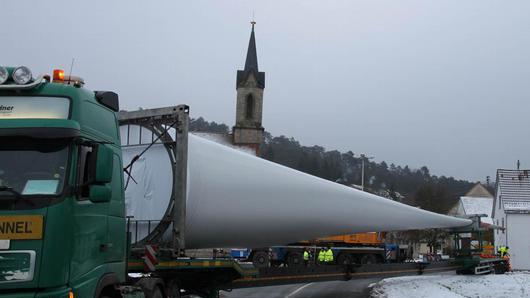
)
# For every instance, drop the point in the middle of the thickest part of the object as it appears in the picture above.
(252, 56)
(251, 64)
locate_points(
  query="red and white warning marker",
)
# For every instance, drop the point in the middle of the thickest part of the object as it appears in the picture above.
(150, 259)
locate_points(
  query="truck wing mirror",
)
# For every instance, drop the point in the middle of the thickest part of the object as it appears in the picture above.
(104, 164)
(108, 99)
(99, 193)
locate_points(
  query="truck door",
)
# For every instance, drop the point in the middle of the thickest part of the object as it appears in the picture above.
(90, 218)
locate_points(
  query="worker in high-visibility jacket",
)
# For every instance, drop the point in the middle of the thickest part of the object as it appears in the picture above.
(503, 250)
(328, 256)
(306, 257)
(321, 256)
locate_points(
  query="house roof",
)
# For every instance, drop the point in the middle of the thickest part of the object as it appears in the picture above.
(513, 188)
(479, 191)
(478, 205)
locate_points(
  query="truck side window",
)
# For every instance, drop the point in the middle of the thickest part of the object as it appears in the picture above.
(85, 170)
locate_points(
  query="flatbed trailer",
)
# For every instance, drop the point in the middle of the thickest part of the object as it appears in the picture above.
(205, 277)
(290, 275)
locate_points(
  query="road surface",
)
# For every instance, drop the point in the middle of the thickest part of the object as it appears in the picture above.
(355, 288)
(332, 289)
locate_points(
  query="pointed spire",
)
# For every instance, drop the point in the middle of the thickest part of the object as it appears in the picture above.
(252, 57)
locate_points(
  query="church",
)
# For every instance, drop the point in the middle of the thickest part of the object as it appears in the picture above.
(247, 133)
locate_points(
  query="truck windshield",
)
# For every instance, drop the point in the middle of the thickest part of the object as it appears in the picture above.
(30, 167)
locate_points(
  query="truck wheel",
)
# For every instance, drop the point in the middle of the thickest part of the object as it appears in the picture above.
(260, 259)
(294, 259)
(368, 259)
(345, 259)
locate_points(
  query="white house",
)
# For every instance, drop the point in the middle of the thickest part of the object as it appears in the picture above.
(511, 210)
(477, 201)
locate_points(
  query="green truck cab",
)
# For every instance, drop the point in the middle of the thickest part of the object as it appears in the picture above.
(62, 212)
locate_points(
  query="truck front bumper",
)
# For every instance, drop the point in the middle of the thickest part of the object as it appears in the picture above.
(50, 293)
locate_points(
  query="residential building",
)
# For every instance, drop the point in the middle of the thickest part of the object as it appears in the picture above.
(511, 210)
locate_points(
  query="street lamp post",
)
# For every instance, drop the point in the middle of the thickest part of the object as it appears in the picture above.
(363, 158)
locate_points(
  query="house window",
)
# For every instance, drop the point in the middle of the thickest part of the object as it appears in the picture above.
(503, 229)
(249, 114)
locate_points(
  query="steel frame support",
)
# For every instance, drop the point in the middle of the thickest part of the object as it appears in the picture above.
(159, 121)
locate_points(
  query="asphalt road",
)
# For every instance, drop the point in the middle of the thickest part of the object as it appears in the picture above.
(331, 289)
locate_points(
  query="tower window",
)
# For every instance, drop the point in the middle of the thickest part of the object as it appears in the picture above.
(249, 107)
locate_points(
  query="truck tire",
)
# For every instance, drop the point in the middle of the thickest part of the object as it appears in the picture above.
(155, 293)
(294, 259)
(260, 259)
(345, 259)
(369, 259)
(173, 289)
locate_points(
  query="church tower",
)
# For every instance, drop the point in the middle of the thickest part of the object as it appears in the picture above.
(250, 83)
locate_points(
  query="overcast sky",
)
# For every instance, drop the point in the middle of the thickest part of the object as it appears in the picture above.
(444, 84)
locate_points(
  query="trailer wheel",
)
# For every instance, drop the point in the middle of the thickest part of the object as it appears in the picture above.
(368, 259)
(260, 259)
(345, 259)
(173, 289)
(155, 293)
(294, 259)
(152, 287)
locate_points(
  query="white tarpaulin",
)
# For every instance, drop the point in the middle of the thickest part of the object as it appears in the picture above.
(239, 200)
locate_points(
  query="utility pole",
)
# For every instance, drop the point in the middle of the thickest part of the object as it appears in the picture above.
(363, 158)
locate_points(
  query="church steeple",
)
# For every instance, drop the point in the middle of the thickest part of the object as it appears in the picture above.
(250, 83)
(251, 64)
(252, 57)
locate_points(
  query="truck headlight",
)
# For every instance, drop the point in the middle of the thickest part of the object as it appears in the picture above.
(22, 75)
(4, 74)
